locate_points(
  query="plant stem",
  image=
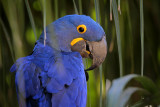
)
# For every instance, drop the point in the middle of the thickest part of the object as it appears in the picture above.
(80, 6)
(75, 7)
(44, 21)
(56, 8)
(142, 35)
(116, 19)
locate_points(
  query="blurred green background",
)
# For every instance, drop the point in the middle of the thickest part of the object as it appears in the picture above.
(17, 39)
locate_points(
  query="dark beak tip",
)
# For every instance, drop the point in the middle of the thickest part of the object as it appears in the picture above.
(98, 51)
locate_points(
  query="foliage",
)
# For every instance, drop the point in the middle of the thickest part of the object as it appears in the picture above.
(119, 93)
(137, 50)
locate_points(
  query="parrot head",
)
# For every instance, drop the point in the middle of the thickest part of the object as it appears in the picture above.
(77, 33)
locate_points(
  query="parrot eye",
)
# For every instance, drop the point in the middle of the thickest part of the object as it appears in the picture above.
(81, 29)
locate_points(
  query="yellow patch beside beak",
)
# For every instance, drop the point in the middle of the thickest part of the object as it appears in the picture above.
(88, 52)
(74, 41)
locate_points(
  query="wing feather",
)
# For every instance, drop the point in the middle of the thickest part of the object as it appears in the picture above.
(44, 75)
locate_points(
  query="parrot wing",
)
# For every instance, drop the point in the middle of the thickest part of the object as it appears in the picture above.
(50, 78)
(27, 79)
(66, 81)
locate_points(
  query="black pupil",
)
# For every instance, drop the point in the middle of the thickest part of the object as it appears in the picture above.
(81, 29)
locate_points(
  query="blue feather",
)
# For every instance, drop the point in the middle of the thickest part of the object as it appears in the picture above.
(54, 75)
(46, 78)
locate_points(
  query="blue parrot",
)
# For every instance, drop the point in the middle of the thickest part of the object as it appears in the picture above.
(53, 74)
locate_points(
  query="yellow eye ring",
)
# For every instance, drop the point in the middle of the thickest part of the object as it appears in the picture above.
(81, 28)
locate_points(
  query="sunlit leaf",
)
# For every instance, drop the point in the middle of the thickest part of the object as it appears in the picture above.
(116, 90)
(118, 96)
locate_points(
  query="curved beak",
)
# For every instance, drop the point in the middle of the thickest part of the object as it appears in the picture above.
(94, 50)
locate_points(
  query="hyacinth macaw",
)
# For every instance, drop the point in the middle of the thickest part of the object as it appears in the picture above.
(53, 74)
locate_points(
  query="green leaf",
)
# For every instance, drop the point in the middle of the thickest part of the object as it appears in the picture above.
(138, 104)
(8, 39)
(31, 19)
(147, 84)
(118, 96)
(127, 93)
(116, 90)
(116, 19)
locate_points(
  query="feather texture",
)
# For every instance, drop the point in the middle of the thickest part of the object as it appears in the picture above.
(53, 75)
(52, 78)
